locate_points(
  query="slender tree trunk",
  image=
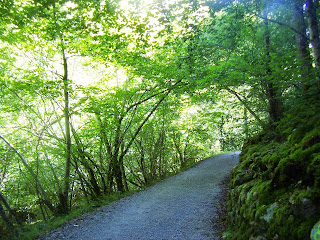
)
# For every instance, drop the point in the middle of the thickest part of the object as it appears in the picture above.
(245, 127)
(142, 162)
(177, 146)
(106, 142)
(118, 150)
(117, 160)
(185, 150)
(64, 197)
(143, 123)
(82, 179)
(11, 212)
(123, 174)
(35, 177)
(64, 208)
(110, 182)
(222, 140)
(53, 171)
(161, 147)
(85, 160)
(7, 221)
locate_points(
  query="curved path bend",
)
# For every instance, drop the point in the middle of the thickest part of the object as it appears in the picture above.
(181, 207)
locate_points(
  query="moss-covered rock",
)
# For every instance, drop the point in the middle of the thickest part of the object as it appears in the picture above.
(315, 232)
(275, 189)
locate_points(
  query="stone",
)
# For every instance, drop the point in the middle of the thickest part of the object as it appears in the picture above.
(270, 212)
(315, 232)
(276, 237)
(239, 180)
(307, 208)
(258, 238)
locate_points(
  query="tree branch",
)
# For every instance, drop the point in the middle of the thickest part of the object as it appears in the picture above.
(142, 124)
(153, 95)
(246, 106)
(283, 24)
(43, 192)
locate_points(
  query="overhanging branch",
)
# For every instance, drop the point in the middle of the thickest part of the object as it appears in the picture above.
(283, 24)
(245, 104)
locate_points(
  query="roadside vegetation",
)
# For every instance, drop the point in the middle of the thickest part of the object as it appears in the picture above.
(274, 191)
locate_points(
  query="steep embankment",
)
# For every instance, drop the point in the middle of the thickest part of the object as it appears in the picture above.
(181, 207)
(275, 190)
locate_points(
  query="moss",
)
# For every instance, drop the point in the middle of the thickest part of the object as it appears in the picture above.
(314, 170)
(315, 233)
(305, 227)
(279, 171)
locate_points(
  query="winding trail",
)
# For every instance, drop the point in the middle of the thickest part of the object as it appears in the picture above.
(181, 207)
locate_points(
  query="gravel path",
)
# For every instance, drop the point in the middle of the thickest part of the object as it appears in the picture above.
(181, 207)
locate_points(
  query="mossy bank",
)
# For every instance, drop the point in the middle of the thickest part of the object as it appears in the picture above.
(275, 190)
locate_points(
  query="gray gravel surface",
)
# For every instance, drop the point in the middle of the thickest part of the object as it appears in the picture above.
(181, 207)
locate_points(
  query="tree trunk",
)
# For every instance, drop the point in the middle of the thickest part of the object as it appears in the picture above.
(222, 140)
(302, 45)
(177, 146)
(314, 32)
(123, 173)
(142, 163)
(118, 158)
(275, 104)
(82, 179)
(85, 159)
(109, 183)
(7, 221)
(245, 127)
(11, 212)
(64, 197)
(46, 199)
(117, 173)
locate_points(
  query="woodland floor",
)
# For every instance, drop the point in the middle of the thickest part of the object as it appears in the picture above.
(185, 206)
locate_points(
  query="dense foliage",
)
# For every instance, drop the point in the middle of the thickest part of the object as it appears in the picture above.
(104, 97)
